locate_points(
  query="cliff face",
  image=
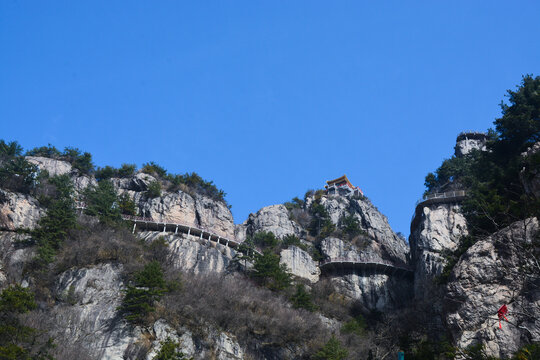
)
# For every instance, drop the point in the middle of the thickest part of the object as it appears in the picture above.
(496, 271)
(436, 230)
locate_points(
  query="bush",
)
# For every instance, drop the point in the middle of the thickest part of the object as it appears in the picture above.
(18, 341)
(321, 225)
(332, 350)
(356, 326)
(151, 168)
(48, 151)
(154, 189)
(60, 218)
(105, 173)
(18, 175)
(139, 299)
(302, 299)
(126, 205)
(170, 350)
(268, 272)
(265, 240)
(9, 150)
(127, 170)
(102, 201)
(350, 225)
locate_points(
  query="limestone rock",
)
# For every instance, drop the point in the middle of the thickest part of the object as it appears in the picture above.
(274, 218)
(300, 263)
(52, 166)
(89, 320)
(174, 208)
(18, 211)
(189, 253)
(12, 258)
(493, 272)
(214, 216)
(467, 142)
(437, 229)
(375, 224)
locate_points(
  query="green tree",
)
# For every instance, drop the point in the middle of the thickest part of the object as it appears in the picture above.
(154, 189)
(60, 218)
(127, 170)
(17, 174)
(18, 341)
(302, 299)
(268, 271)
(147, 288)
(321, 224)
(332, 350)
(10, 150)
(126, 205)
(170, 350)
(102, 201)
(265, 239)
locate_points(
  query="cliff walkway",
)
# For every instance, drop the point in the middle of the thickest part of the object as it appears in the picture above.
(437, 198)
(149, 224)
(338, 265)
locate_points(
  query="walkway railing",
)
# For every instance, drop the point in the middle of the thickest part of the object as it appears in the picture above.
(383, 266)
(434, 198)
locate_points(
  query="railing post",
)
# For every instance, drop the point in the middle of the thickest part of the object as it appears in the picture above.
(188, 231)
(176, 230)
(164, 227)
(134, 226)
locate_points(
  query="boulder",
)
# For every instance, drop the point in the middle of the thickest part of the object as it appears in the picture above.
(18, 211)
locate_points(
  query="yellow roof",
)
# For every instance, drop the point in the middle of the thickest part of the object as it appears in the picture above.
(340, 179)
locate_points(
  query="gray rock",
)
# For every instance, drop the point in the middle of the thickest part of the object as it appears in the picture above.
(215, 216)
(300, 263)
(18, 211)
(189, 253)
(52, 166)
(469, 141)
(12, 259)
(530, 176)
(493, 272)
(391, 247)
(274, 218)
(89, 320)
(436, 230)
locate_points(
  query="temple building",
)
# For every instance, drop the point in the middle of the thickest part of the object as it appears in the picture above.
(342, 186)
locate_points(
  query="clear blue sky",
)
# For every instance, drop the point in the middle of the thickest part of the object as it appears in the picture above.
(265, 98)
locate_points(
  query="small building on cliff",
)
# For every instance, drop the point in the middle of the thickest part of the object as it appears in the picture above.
(342, 186)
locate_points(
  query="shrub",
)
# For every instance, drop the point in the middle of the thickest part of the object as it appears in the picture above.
(356, 326)
(102, 201)
(151, 168)
(45, 151)
(170, 350)
(154, 189)
(126, 205)
(265, 239)
(80, 161)
(127, 170)
(268, 272)
(350, 225)
(321, 225)
(302, 299)
(60, 218)
(290, 240)
(332, 350)
(105, 173)
(139, 299)
(9, 150)
(18, 341)
(17, 174)
(295, 203)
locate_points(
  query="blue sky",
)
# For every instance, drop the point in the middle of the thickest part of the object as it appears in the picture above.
(267, 99)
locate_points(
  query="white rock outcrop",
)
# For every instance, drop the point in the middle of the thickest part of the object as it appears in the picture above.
(18, 211)
(436, 229)
(274, 218)
(493, 272)
(52, 166)
(300, 263)
(191, 254)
